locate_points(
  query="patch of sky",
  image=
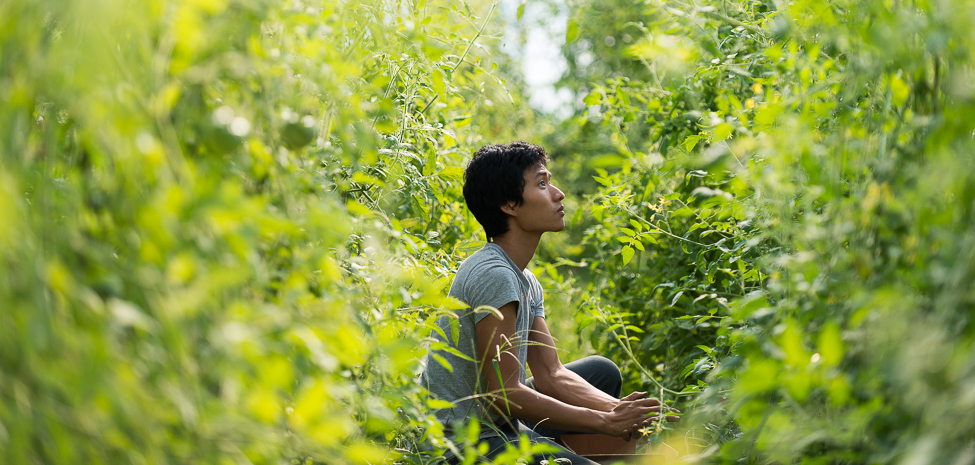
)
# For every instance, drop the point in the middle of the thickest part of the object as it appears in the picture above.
(535, 41)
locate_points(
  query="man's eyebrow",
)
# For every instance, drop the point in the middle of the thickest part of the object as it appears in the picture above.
(543, 173)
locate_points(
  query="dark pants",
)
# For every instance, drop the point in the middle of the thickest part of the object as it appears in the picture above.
(602, 373)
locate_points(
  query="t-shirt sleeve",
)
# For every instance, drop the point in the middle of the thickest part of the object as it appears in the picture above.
(494, 286)
(536, 296)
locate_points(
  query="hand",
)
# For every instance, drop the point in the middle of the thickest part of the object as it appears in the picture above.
(635, 412)
(634, 430)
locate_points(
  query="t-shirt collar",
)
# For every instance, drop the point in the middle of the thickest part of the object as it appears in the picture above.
(511, 264)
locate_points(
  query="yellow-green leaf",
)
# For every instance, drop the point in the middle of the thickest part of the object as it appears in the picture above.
(627, 254)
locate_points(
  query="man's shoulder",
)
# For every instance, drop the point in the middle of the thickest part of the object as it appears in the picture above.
(486, 258)
(485, 268)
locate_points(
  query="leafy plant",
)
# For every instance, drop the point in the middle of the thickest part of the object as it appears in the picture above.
(820, 148)
(226, 225)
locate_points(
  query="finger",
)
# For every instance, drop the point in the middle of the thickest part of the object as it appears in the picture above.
(643, 411)
(647, 402)
(673, 418)
(640, 415)
(635, 396)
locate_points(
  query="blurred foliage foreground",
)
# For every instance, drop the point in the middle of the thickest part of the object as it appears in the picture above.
(223, 223)
(226, 225)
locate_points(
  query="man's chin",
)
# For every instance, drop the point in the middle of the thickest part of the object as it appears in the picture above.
(556, 228)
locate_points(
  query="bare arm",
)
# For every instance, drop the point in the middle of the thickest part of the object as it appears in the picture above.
(554, 379)
(497, 353)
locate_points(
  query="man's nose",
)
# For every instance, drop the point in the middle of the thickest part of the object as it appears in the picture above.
(558, 194)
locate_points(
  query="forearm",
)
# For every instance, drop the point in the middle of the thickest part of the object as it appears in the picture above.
(570, 388)
(527, 404)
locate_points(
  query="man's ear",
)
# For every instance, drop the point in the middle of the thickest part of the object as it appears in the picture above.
(509, 208)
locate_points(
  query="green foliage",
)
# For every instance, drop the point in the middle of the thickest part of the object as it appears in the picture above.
(811, 272)
(227, 225)
(672, 242)
(861, 152)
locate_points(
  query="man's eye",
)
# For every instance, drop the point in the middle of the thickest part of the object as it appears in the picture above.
(541, 183)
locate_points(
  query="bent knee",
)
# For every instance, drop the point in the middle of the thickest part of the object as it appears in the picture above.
(605, 374)
(604, 365)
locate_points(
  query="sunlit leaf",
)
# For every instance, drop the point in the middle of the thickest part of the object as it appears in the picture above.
(627, 254)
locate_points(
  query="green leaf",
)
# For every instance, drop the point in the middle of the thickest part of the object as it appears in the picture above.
(750, 304)
(357, 208)
(438, 81)
(721, 132)
(676, 298)
(767, 114)
(437, 329)
(572, 30)
(431, 161)
(623, 96)
(831, 344)
(443, 362)
(452, 172)
(454, 331)
(706, 349)
(457, 353)
(899, 90)
(363, 178)
(435, 403)
(628, 253)
(470, 246)
(593, 98)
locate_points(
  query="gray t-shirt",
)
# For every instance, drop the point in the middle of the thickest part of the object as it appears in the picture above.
(488, 277)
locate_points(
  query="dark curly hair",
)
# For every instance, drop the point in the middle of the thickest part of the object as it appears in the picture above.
(496, 176)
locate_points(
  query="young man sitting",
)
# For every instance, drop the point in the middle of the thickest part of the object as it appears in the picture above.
(510, 193)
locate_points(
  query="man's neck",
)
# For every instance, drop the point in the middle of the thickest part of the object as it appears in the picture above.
(520, 246)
